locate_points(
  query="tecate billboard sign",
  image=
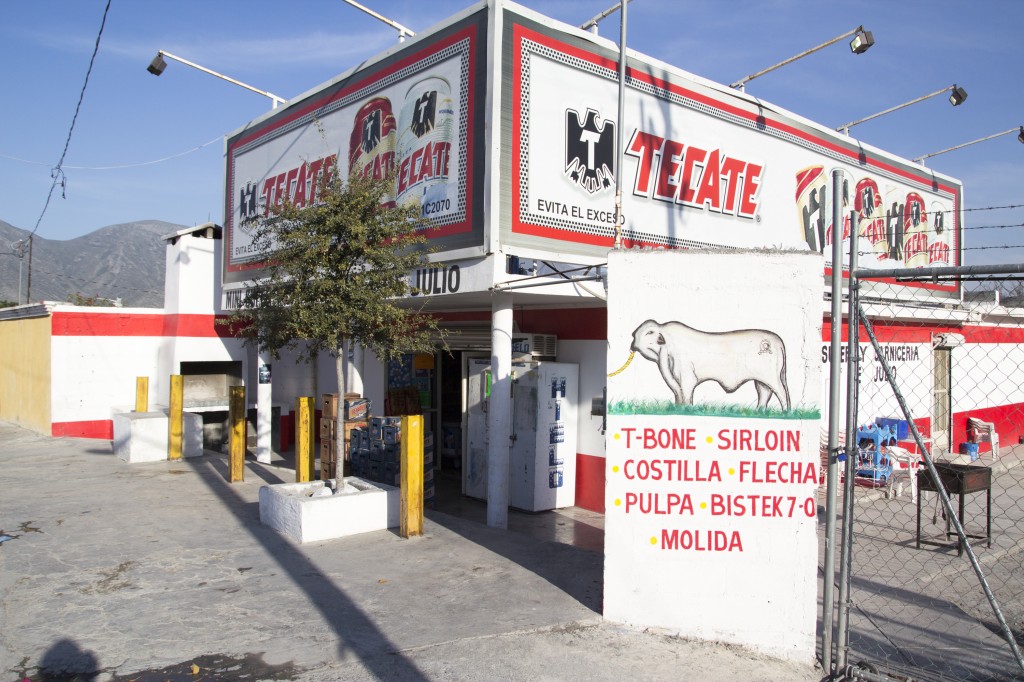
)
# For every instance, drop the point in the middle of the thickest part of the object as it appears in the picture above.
(415, 113)
(701, 166)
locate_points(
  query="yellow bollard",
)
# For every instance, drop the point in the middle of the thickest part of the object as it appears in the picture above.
(175, 417)
(411, 521)
(236, 437)
(305, 443)
(142, 394)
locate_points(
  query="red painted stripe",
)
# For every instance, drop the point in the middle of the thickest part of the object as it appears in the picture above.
(1008, 419)
(574, 324)
(102, 429)
(106, 324)
(590, 482)
(198, 326)
(570, 324)
(992, 334)
(66, 323)
(922, 331)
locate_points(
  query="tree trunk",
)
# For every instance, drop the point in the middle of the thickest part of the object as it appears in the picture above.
(339, 423)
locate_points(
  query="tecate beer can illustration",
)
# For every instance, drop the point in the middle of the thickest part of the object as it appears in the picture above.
(555, 478)
(426, 127)
(915, 231)
(553, 458)
(893, 205)
(810, 205)
(940, 239)
(557, 432)
(844, 231)
(870, 217)
(371, 146)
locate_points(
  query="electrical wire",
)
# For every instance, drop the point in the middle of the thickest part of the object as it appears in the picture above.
(57, 173)
(120, 166)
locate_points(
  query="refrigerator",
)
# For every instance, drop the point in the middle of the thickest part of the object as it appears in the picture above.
(542, 456)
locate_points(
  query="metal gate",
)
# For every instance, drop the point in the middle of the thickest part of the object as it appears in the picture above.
(929, 574)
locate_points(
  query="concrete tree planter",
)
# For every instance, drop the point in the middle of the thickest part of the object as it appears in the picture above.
(303, 512)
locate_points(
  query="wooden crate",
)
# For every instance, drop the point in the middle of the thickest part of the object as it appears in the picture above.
(327, 427)
(328, 460)
(330, 406)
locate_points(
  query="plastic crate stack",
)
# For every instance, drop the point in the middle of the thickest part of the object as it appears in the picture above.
(375, 454)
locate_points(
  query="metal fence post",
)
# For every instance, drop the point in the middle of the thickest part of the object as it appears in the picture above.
(828, 608)
(852, 385)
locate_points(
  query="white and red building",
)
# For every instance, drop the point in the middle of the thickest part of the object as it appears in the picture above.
(502, 125)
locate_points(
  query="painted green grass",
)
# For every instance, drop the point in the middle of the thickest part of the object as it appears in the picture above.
(667, 407)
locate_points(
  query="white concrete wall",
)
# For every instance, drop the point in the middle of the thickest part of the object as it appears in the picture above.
(592, 358)
(91, 374)
(987, 375)
(700, 539)
(876, 397)
(190, 286)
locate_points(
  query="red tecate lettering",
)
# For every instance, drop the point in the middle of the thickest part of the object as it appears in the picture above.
(748, 205)
(668, 173)
(732, 172)
(687, 187)
(710, 193)
(644, 146)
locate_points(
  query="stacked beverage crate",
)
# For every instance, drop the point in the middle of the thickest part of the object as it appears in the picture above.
(375, 453)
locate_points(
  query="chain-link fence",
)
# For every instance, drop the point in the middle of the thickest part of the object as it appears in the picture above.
(940, 398)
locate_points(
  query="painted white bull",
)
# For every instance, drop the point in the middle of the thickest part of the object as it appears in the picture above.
(688, 357)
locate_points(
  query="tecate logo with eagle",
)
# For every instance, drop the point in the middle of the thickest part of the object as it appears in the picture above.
(589, 150)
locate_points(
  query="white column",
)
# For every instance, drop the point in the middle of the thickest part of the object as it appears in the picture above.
(264, 415)
(499, 416)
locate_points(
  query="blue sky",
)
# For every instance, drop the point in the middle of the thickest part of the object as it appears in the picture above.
(130, 117)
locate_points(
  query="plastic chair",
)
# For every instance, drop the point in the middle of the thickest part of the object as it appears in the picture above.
(905, 465)
(979, 431)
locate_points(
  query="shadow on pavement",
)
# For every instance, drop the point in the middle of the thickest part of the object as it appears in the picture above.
(65, 661)
(357, 632)
(577, 572)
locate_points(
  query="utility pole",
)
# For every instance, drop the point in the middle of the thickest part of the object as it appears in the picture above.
(19, 247)
(28, 287)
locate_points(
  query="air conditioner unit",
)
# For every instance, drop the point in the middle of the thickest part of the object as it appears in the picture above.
(536, 346)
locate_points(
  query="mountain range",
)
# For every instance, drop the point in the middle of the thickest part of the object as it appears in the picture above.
(124, 261)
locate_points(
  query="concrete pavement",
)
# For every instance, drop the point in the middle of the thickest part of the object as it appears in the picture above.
(117, 571)
(921, 612)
